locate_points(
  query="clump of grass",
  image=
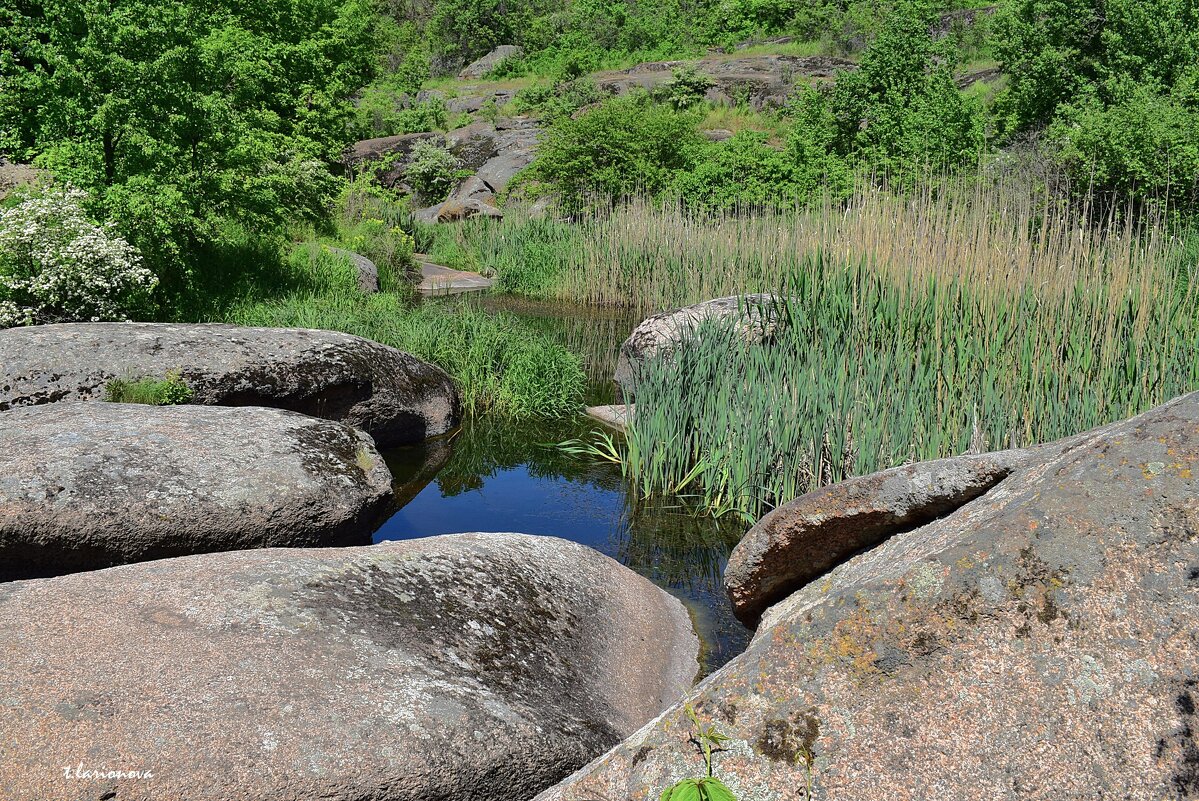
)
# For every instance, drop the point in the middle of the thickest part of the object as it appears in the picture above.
(867, 372)
(169, 391)
(499, 365)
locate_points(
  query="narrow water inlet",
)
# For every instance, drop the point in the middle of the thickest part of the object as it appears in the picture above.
(493, 475)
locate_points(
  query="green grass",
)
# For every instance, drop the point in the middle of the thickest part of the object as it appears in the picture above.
(499, 366)
(868, 373)
(169, 391)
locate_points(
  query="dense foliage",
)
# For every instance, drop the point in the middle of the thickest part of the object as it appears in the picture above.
(179, 117)
(1117, 83)
(56, 265)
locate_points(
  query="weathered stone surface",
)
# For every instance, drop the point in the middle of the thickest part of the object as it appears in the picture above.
(756, 316)
(455, 210)
(614, 415)
(86, 486)
(374, 149)
(473, 144)
(472, 103)
(761, 81)
(14, 175)
(484, 65)
(462, 667)
(800, 540)
(1036, 644)
(393, 396)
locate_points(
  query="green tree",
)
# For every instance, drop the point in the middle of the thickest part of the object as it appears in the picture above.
(180, 117)
(1115, 82)
(900, 110)
(625, 145)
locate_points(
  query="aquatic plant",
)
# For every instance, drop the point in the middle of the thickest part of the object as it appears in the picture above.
(169, 391)
(866, 372)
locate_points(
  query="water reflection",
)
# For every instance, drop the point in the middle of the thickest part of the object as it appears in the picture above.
(497, 478)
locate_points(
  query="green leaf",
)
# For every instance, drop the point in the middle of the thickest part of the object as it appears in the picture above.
(715, 790)
(686, 790)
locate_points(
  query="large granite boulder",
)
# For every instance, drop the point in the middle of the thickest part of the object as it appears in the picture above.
(757, 318)
(480, 67)
(384, 146)
(393, 396)
(86, 486)
(800, 540)
(461, 667)
(1036, 643)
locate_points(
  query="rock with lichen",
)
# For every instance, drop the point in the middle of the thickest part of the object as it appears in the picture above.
(1037, 641)
(90, 485)
(391, 395)
(444, 669)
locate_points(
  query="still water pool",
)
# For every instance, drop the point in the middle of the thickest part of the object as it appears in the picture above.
(499, 477)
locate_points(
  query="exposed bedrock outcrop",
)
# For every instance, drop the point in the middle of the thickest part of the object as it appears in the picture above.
(1036, 643)
(393, 396)
(89, 485)
(445, 669)
(761, 81)
(756, 317)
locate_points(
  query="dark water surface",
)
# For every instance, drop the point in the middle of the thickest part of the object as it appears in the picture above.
(498, 477)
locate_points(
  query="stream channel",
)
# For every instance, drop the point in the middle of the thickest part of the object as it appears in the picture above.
(499, 476)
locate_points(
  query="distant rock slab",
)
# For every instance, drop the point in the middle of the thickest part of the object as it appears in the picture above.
(90, 485)
(453, 668)
(1036, 643)
(615, 416)
(805, 538)
(393, 396)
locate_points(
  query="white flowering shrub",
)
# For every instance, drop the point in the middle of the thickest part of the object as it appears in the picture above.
(57, 266)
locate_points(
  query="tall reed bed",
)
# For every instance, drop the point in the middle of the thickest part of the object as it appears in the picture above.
(920, 326)
(867, 372)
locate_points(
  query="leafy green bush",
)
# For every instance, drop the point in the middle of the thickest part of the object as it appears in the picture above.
(624, 145)
(557, 100)
(900, 113)
(686, 88)
(56, 265)
(169, 391)
(1116, 80)
(431, 171)
(380, 112)
(743, 171)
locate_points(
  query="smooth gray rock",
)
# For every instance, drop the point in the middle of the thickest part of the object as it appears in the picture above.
(454, 668)
(89, 485)
(392, 395)
(484, 65)
(1036, 644)
(800, 540)
(756, 317)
